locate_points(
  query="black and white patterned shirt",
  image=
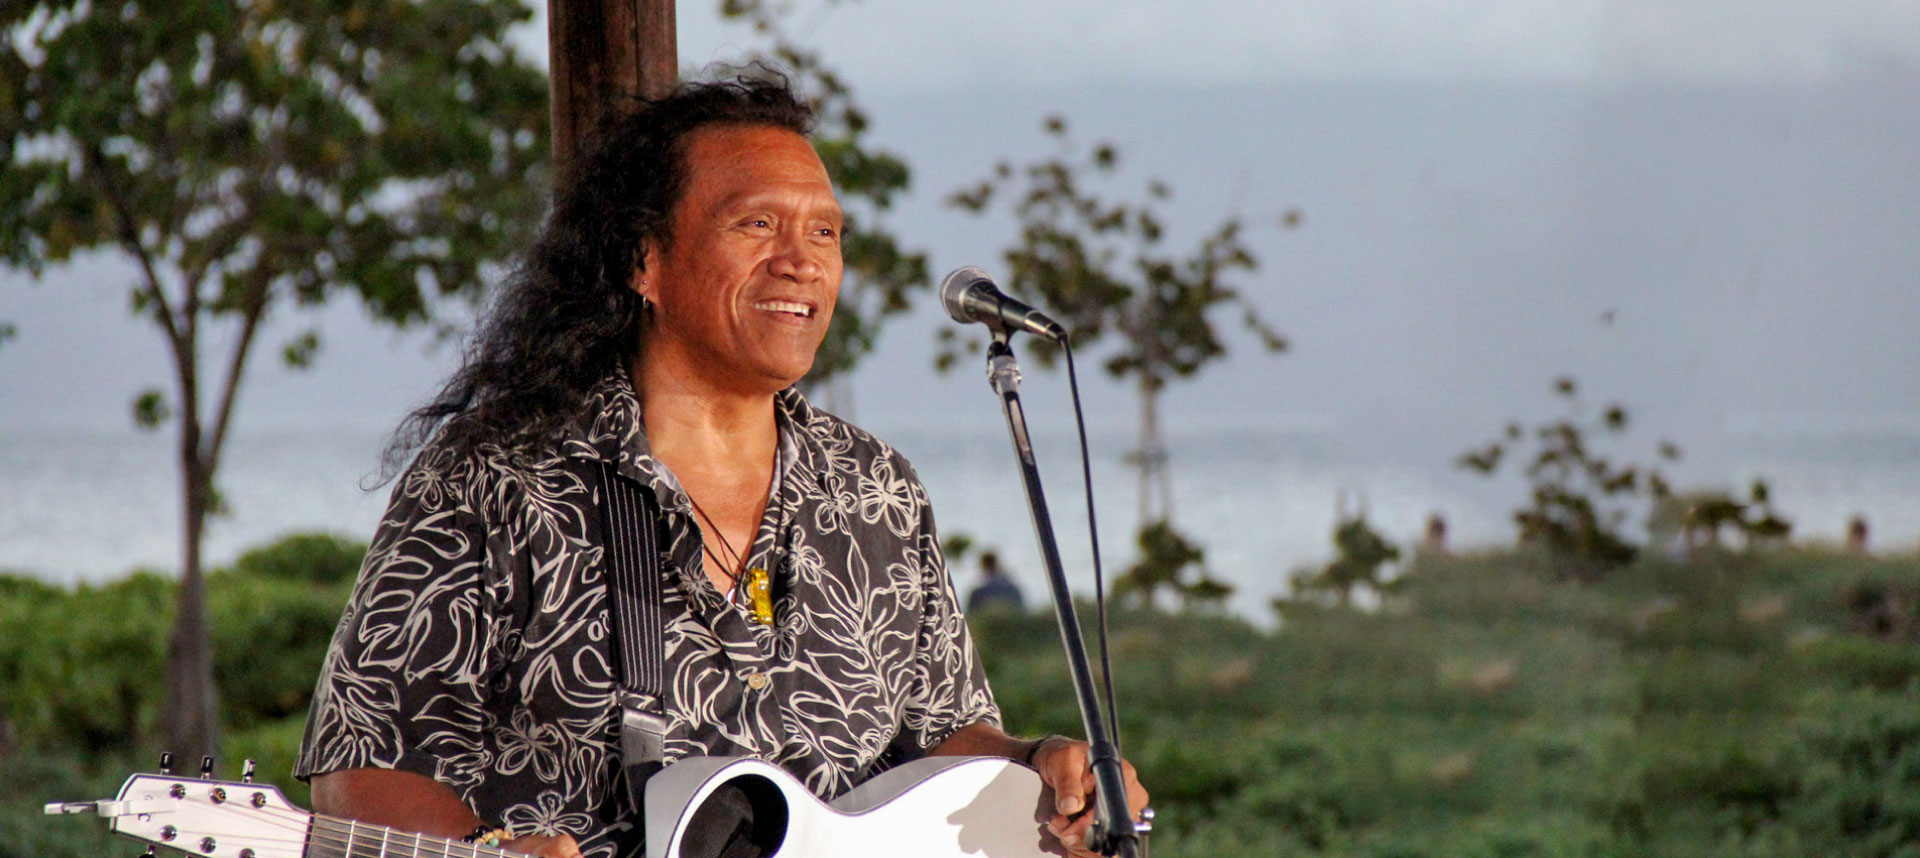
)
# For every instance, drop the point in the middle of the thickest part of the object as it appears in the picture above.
(474, 649)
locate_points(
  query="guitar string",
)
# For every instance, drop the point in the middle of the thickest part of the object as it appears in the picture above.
(341, 834)
(343, 831)
(358, 843)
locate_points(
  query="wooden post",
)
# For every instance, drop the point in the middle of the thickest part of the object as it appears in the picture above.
(601, 51)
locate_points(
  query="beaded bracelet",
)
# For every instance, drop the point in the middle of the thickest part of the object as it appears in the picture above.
(487, 835)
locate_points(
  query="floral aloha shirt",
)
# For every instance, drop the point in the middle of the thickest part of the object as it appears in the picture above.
(474, 649)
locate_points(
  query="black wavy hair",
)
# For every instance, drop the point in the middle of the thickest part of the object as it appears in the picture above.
(566, 315)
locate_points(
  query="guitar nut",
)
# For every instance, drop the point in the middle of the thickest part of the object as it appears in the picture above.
(259, 800)
(219, 795)
(168, 832)
(206, 845)
(178, 791)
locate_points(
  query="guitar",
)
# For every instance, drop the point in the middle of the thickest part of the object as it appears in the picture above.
(938, 807)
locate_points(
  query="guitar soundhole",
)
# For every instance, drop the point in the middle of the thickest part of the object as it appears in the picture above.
(744, 818)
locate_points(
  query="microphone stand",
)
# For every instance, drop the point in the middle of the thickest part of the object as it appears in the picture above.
(1112, 832)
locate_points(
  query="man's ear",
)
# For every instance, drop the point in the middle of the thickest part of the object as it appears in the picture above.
(638, 282)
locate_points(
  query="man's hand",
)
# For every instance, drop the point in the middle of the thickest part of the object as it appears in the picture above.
(1063, 767)
(1062, 764)
(560, 846)
(411, 802)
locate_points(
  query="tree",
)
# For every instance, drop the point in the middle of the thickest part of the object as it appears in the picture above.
(251, 157)
(1695, 520)
(1363, 556)
(1578, 499)
(880, 274)
(1103, 269)
(1165, 557)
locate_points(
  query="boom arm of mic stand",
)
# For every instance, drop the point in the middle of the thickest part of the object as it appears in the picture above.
(1113, 831)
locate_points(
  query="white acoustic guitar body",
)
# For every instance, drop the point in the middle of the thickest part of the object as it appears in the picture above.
(938, 807)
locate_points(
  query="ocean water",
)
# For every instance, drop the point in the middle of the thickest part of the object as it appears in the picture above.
(91, 506)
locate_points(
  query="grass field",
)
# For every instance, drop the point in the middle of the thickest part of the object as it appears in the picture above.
(1734, 704)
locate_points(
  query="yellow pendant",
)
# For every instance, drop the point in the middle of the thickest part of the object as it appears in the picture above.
(759, 596)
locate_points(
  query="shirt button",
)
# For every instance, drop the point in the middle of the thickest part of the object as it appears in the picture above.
(758, 681)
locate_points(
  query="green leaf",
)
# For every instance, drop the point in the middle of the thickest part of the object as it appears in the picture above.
(150, 409)
(217, 506)
(298, 352)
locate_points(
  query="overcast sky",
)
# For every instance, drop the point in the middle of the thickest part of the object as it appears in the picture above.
(1707, 209)
(943, 45)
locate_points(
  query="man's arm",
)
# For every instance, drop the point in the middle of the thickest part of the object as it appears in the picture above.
(1063, 767)
(409, 802)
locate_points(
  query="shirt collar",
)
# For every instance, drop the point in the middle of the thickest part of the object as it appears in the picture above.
(608, 428)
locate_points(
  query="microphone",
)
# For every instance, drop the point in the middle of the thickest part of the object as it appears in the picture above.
(970, 296)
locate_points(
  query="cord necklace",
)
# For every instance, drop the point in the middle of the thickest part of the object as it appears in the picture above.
(757, 585)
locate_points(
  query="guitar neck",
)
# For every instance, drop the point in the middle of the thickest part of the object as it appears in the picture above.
(332, 837)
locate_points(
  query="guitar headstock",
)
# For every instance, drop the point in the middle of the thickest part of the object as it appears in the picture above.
(201, 816)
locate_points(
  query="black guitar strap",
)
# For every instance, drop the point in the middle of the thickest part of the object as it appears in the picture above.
(732, 823)
(637, 625)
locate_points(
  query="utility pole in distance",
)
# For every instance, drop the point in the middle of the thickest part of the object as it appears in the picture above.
(602, 51)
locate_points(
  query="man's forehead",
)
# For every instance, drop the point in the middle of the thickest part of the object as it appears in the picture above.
(773, 167)
(771, 193)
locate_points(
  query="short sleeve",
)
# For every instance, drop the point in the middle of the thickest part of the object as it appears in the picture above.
(404, 684)
(950, 685)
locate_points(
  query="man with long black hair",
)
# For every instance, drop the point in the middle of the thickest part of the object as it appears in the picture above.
(682, 283)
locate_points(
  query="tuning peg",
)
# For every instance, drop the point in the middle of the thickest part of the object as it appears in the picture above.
(206, 768)
(246, 772)
(149, 852)
(166, 762)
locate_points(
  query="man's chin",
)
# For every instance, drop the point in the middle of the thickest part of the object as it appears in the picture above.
(780, 375)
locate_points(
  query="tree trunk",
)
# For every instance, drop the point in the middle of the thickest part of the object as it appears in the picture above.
(192, 726)
(1156, 487)
(601, 52)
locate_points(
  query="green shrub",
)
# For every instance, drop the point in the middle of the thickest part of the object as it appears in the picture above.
(60, 774)
(269, 637)
(312, 558)
(1716, 708)
(1860, 754)
(1862, 662)
(86, 667)
(20, 588)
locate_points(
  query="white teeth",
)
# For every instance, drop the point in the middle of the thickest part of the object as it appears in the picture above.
(785, 307)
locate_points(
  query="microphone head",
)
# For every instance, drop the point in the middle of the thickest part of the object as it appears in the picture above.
(954, 289)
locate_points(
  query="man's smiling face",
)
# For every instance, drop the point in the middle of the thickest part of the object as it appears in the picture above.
(744, 292)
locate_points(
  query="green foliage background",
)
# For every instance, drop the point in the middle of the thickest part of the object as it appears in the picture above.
(1736, 704)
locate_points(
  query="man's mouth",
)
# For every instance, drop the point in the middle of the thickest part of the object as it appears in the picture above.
(804, 311)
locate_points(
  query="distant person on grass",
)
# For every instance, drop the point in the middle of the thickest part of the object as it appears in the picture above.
(995, 591)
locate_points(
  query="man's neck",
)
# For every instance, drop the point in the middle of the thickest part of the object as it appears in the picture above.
(705, 433)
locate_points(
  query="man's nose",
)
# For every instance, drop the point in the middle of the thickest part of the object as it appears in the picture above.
(799, 259)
